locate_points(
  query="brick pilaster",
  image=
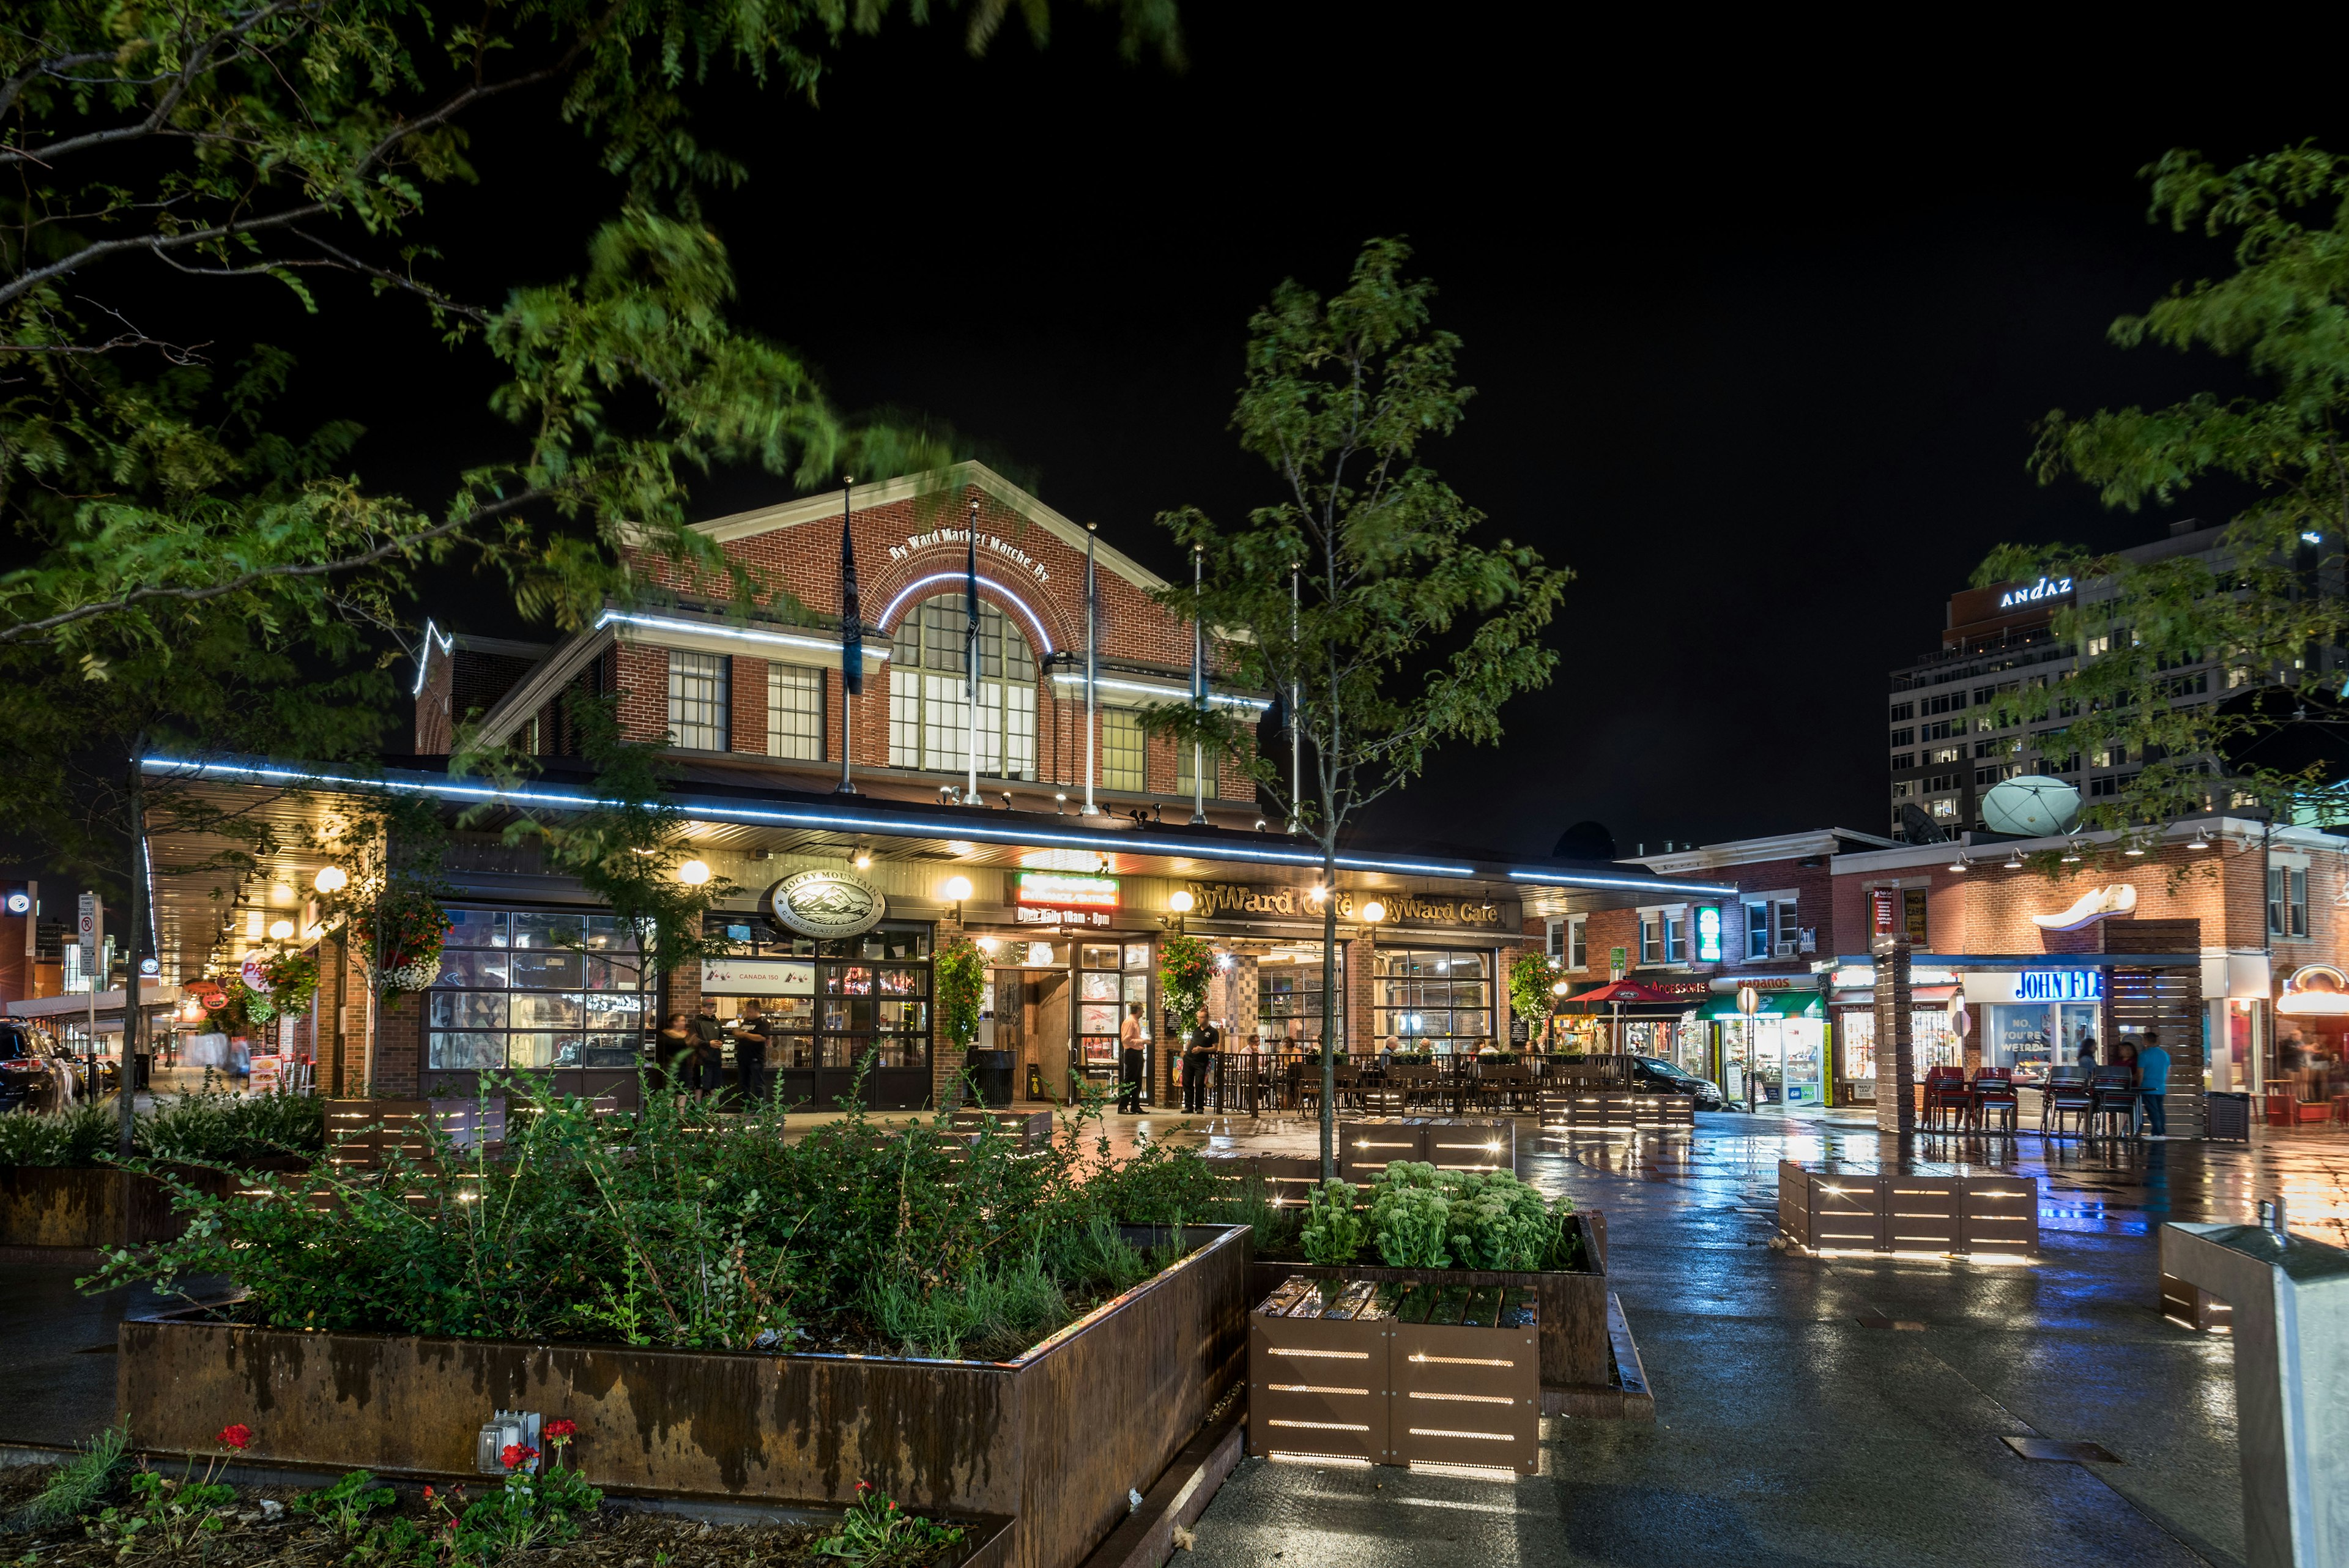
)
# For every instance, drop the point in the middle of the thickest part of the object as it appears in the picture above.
(746, 728)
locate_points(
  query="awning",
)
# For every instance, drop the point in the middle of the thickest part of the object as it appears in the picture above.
(1774, 1005)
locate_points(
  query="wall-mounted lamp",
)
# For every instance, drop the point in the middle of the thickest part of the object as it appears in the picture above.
(1961, 864)
(2202, 839)
(2014, 861)
(1181, 903)
(1375, 911)
(957, 890)
(2133, 848)
(331, 879)
(864, 861)
(694, 873)
(280, 931)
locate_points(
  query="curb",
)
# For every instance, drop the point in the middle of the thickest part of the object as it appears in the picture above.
(1146, 1538)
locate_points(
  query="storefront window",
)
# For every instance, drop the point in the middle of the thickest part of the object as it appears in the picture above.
(530, 989)
(2032, 1037)
(1431, 1001)
(1289, 1008)
(853, 995)
(929, 706)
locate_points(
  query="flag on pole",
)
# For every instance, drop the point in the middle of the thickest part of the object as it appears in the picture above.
(971, 607)
(852, 612)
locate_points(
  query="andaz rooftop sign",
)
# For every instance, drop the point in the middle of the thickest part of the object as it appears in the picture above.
(2045, 588)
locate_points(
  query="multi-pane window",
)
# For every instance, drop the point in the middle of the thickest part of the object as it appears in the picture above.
(1578, 943)
(795, 712)
(1440, 1002)
(534, 989)
(1675, 939)
(1651, 940)
(2287, 902)
(930, 716)
(698, 700)
(1184, 754)
(1121, 753)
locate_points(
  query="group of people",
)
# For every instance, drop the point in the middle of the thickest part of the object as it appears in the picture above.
(2146, 1063)
(1198, 1062)
(692, 1051)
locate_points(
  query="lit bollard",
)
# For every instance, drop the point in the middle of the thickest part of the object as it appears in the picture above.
(2289, 1301)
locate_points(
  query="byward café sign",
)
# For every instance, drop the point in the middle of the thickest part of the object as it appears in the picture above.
(1244, 900)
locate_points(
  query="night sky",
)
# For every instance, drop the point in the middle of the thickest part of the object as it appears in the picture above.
(1757, 348)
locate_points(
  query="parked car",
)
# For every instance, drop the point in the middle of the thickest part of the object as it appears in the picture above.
(1654, 1075)
(28, 1078)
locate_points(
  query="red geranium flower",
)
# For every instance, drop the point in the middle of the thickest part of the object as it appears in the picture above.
(237, 1437)
(517, 1454)
(558, 1430)
(427, 1494)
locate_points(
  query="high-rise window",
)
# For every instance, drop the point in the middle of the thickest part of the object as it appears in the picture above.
(795, 712)
(1120, 743)
(698, 700)
(929, 703)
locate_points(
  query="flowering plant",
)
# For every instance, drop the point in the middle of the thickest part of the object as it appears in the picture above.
(238, 1436)
(1185, 964)
(875, 1528)
(400, 935)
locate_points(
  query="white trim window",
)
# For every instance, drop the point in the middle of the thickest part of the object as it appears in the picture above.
(698, 700)
(1577, 943)
(1651, 936)
(1771, 928)
(795, 712)
(929, 705)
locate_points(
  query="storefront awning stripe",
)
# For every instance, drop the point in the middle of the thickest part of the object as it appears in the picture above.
(1774, 1005)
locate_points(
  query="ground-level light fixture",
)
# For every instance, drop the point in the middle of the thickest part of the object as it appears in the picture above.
(331, 879)
(279, 930)
(694, 873)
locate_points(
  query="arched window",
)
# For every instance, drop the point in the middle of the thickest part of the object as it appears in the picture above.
(929, 711)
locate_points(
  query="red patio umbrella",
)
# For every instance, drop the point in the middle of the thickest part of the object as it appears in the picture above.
(1614, 998)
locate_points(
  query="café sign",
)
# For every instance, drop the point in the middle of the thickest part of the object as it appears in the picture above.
(1064, 898)
(823, 903)
(1211, 901)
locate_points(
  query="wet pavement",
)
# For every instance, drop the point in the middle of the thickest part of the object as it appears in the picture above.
(1790, 1431)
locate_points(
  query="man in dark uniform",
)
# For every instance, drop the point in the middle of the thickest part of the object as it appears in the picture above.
(751, 1051)
(1204, 1041)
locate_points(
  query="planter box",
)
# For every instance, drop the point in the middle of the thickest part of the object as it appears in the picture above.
(1955, 1214)
(1577, 1107)
(56, 1206)
(1053, 1439)
(1368, 1146)
(1373, 1386)
(1578, 1358)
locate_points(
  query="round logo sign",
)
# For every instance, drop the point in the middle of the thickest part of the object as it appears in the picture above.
(826, 904)
(255, 978)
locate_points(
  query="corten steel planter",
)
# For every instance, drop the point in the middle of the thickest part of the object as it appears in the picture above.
(1578, 1357)
(1574, 1107)
(1053, 1439)
(85, 1206)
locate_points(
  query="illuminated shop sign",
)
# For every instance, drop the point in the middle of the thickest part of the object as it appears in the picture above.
(1064, 898)
(2060, 985)
(1708, 933)
(2045, 588)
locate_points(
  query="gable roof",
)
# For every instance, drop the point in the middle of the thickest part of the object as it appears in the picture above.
(825, 508)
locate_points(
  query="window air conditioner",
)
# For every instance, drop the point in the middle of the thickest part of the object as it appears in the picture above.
(1782, 950)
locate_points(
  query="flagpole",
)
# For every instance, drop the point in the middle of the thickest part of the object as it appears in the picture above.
(1199, 690)
(1296, 693)
(971, 649)
(851, 635)
(1092, 666)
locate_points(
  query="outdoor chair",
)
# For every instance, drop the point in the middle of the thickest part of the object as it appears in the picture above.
(1948, 1102)
(2113, 1096)
(1994, 1098)
(2066, 1096)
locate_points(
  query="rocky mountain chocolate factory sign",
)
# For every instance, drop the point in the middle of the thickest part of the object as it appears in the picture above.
(823, 903)
(1228, 900)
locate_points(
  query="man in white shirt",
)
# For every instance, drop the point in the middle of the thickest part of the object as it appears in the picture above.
(1129, 1042)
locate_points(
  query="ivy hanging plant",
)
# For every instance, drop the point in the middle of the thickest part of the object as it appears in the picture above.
(961, 984)
(1184, 966)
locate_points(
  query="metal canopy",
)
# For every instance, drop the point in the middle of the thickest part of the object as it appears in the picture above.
(203, 917)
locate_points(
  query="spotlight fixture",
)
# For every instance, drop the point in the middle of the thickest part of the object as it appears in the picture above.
(1259, 825)
(694, 873)
(332, 879)
(948, 794)
(1060, 803)
(864, 861)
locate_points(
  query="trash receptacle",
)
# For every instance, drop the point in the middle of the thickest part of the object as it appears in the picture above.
(990, 1077)
(2230, 1115)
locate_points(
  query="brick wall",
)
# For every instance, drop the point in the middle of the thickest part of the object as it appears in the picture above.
(746, 687)
(641, 679)
(398, 1046)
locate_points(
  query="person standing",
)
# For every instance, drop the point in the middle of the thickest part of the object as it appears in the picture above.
(675, 1054)
(1129, 1043)
(707, 1070)
(1204, 1041)
(750, 1052)
(2153, 1085)
(2088, 1052)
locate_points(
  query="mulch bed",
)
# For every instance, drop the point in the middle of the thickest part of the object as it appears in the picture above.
(612, 1537)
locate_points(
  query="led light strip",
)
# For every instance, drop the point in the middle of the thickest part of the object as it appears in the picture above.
(1577, 879)
(890, 615)
(740, 634)
(963, 827)
(1257, 704)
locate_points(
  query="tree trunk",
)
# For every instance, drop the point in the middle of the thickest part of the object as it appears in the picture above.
(1334, 1008)
(138, 924)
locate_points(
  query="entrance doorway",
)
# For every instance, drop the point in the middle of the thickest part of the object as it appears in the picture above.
(1028, 989)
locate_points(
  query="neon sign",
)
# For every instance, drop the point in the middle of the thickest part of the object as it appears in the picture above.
(1708, 933)
(1065, 890)
(2060, 985)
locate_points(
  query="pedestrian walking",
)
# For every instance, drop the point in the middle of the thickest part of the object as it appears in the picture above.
(1130, 1040)
(2153, 1087)
(750, 1052)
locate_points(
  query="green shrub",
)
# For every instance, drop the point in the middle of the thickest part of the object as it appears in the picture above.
(74, 1139)
(80, 1483)
(203, 1129)
(1333, 1229)
(1422, 1218)
(1409, 1218)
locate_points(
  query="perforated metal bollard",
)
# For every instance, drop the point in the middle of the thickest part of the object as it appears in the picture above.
(2289, 1301)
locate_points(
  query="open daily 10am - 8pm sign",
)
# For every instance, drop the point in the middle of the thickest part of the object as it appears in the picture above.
(1064, 898)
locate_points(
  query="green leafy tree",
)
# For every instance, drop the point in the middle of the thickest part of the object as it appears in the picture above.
(2265, 619)
(1403, 632)
(1531, 975)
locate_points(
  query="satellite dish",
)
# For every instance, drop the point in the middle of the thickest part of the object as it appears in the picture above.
(2030, 807)
(1917, 828)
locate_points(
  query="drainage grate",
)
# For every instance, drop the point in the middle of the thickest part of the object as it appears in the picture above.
(2056, 1451)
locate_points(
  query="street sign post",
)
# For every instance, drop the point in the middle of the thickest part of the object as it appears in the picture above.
(93, 919)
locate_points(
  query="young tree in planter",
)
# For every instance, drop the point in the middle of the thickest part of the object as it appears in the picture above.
(2165, 635)
(1404, 633)
(1530, 978)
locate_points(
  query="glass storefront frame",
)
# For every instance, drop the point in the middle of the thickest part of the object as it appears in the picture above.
(865, 995)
